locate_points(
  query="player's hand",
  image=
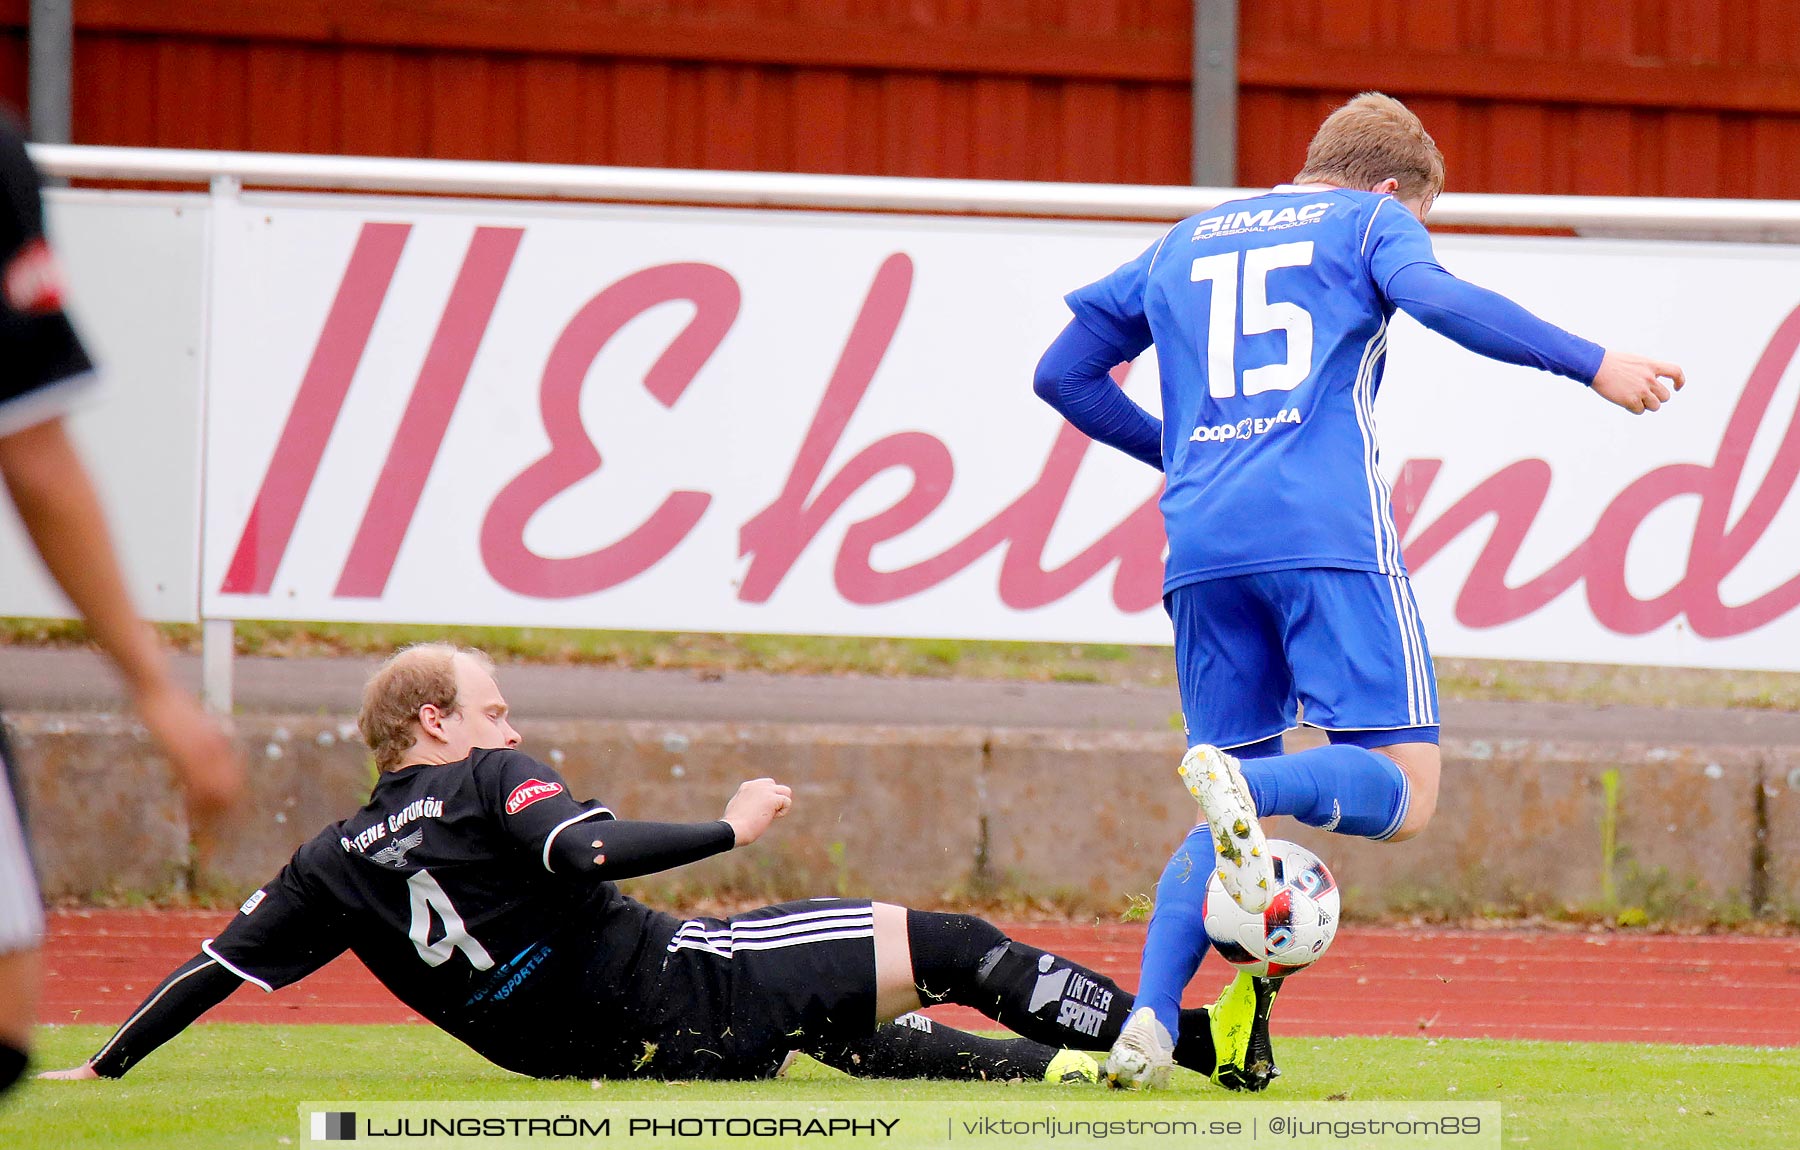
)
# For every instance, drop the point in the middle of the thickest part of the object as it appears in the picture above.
(196, 746)
(72, 1074)
(1635, 382)
(757, 803)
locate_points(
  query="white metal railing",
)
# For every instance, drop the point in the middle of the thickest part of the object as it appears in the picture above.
(1738, 219)
(228, 172)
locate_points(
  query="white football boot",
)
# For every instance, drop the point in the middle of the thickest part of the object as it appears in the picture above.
(1143, 1057)
(1246, 869)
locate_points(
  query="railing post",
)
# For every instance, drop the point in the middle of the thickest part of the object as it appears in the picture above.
(218, 637)
(52, 54)
(1215, 93)
(217, 648)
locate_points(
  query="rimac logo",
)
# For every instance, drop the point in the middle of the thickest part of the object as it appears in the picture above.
(1244, 428)
(1268, 219)
(528, 792)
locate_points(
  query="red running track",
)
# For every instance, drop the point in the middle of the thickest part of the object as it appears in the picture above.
(1605, 987)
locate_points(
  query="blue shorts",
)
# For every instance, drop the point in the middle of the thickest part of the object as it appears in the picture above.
(1346, 644)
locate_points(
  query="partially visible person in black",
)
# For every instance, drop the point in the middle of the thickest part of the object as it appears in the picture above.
(43, 368)
(481, 892)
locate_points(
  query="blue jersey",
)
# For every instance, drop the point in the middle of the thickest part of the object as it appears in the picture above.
(1270, 319)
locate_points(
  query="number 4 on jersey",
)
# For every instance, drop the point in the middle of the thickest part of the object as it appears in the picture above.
(1260, 316)
(428, 896)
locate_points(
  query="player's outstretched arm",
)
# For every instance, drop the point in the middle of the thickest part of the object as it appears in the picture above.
(616, 849)
(1489, 324)
(530, 803)
(192, 989)
(61, 511)
(613, 849)
(1635, 382)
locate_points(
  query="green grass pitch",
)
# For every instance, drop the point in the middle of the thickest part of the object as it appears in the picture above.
(229, 1085)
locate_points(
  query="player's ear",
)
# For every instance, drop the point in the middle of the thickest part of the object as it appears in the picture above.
(431, 719)
(1387, 187)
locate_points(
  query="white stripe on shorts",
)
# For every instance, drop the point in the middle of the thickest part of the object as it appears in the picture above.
(1412, 684)
(776, 933)
(780, 923)
(1412, 635)
(744, 937)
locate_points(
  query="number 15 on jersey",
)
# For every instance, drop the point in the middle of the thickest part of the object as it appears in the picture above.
(1260, 315)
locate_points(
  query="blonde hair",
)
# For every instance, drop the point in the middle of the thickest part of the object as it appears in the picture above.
(424, 673)
(1370, 139)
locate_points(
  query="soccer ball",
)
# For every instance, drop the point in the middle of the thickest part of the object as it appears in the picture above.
(1295, 930)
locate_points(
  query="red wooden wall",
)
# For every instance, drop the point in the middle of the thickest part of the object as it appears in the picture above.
(1063, 90)
(1603, 97)
(1671, 97)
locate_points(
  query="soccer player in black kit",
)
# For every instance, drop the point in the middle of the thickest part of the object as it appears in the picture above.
(43, 370)
(478, 890)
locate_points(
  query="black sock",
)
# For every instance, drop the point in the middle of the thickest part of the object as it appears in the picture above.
(1194, 1049)
(947, 951)
(1037, 994)
(913, 1046)
(967, 960)
(12, 1065)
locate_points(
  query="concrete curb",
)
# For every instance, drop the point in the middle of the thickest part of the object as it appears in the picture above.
(917, 814)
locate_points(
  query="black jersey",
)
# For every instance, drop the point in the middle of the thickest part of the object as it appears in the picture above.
(39, 351)
(445, 886)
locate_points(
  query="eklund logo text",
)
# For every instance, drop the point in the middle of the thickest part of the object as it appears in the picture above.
(783, 510)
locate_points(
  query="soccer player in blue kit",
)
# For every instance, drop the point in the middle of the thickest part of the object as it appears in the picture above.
(1285, 581)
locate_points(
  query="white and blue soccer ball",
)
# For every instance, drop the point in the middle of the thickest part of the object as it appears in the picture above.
(1294, 931)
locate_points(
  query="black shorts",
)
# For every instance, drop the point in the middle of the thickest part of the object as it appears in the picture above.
(39, 351)
(733, 996)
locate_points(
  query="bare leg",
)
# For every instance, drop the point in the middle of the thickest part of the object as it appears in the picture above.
(18, 1010)
(19, 977)
(1421, 763)
(895, 991)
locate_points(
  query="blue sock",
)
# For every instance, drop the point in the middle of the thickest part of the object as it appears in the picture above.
(1342, 788)
(1176, 941)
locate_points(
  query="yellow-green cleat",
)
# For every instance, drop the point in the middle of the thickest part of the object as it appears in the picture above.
(1072, 1068)
(1232, 1018)
(1243, 1057)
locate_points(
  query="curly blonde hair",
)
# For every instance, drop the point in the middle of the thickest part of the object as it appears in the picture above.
(412, 677)
(1370, 139)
